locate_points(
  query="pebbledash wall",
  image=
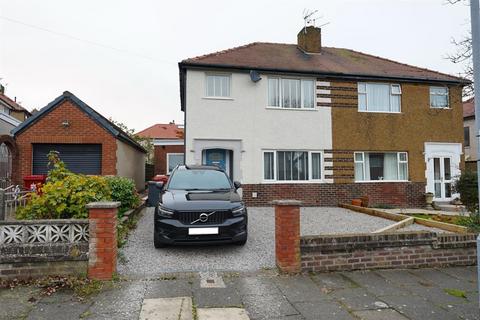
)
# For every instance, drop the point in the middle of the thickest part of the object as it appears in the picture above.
(334, 127)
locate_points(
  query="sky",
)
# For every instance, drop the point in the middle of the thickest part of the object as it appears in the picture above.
(121, 57)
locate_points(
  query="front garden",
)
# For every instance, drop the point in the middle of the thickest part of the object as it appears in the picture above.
(66, 194)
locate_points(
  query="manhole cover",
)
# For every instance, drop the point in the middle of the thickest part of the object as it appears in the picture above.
(211, 280)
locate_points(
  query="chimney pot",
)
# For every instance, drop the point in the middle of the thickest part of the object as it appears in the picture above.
(309, 39)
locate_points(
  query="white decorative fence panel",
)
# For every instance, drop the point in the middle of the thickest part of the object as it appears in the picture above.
(44, 231)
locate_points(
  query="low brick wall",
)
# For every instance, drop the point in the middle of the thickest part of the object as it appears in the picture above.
(38, 248)
(35, 248)
(400, 194)
(392, 250)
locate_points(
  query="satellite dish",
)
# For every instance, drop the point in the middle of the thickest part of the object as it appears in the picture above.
(255, 76)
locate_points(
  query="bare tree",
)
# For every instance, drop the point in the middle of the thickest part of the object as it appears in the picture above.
(463, 54)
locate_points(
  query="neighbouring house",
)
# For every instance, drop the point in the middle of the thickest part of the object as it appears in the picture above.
(11, 113)
(323, 125)
(469, 142)
(87, 142)
(168, 145)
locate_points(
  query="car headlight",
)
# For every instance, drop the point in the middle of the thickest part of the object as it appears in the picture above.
(164, 212)
(238, 211)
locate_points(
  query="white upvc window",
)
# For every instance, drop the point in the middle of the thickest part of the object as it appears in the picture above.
(292, 166)
(173, 160)
(379, 97)
(217, 85)
(291, 93)
(381, 166)
(439, 97)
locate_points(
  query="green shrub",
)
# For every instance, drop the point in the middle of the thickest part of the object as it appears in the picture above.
(123, 190)
(467, 186)
(66, 198)
(66, 194)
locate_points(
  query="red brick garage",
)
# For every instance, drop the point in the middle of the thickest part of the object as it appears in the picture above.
(83, 135)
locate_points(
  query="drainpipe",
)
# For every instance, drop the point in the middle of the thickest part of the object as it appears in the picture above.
(475, 17)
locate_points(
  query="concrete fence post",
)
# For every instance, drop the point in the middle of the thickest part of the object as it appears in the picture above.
(102, 251)
(287, 235)
(2, 205)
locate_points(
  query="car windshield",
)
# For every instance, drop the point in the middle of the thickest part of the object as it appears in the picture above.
(199, 180)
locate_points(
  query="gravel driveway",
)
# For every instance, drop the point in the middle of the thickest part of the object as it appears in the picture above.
(139, 258)
(143, 259)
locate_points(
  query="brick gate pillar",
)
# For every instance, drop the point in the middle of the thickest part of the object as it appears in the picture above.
(102, 252)
(287, 235)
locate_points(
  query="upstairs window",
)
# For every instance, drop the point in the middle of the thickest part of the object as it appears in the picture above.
(218, 86)
(379, 97)
(439, 97)
(374, 166)
(291, 93)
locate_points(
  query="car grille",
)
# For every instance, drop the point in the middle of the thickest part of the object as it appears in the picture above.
(187, 217)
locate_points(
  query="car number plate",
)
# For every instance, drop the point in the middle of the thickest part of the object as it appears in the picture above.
(196, 231)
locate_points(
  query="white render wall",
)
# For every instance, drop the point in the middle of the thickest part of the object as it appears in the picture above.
(245, 117)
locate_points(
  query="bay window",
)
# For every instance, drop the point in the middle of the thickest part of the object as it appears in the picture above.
(379, 97)
(291, 93)
(439, 97)
(292, 165)
(374, 166)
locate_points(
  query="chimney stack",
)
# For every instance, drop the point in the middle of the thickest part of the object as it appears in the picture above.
(309, 39)
(2, 89)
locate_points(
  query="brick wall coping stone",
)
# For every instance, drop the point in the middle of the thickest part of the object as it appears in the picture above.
(103, 205)
(287, 202)
(44, 221)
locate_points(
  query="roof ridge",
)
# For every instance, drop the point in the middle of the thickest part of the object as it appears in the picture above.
(400, 63)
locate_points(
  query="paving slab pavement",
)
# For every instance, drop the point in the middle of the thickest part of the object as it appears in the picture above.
(263, 295)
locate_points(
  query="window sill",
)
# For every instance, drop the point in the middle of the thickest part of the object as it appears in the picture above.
(388, 112)
(217, 98)
(441, 108)
(292, 182)
(292, 109)
(381, 181)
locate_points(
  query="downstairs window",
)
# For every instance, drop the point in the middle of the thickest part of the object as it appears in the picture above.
(375, 166)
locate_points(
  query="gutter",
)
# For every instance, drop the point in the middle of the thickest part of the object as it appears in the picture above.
(184, 65)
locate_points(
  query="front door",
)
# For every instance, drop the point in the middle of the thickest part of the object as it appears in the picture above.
(216, 157)
(442, 178)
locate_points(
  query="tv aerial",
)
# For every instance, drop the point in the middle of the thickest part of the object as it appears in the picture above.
(310, 19)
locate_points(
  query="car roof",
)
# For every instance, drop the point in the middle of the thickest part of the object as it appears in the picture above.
(199, 167)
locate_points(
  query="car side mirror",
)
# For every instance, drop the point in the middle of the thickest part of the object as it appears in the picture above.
(237, 184)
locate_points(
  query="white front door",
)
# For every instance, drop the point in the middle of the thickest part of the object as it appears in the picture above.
(443, 167)
(442, 175)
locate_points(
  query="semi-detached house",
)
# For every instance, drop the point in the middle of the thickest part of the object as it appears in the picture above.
(323, 125)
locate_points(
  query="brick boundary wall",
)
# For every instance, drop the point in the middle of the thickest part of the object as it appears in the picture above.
(389, 250)
(400, 194)
(102, 262)
(37, 248)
